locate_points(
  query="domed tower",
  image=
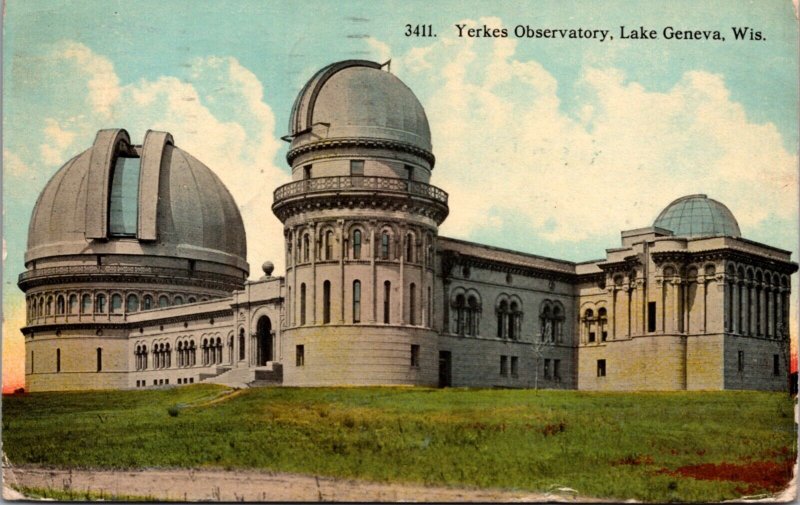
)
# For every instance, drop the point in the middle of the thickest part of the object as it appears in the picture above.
(121, 228)
(360, 222)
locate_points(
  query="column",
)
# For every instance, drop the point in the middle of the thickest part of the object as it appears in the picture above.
(735, 301)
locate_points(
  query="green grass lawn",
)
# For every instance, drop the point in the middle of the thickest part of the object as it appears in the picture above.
(648, 446)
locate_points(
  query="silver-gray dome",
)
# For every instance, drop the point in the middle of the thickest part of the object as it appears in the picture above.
(698, 216)
(180, 208)
(356, 99)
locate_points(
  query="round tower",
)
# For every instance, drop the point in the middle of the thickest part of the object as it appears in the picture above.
(120, 229)
(360, 223)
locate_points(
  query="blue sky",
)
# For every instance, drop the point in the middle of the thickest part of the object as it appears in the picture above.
(547, 146)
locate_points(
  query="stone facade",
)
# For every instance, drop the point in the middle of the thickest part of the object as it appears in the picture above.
(150, 289)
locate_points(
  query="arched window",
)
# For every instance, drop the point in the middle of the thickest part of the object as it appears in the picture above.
(116, 303)
(385, 245)
(205, 352)
(180, 354)
(502, 319)
(326, 302)
(558, 323)
(144, 357)
(168, 352)
(473, 315)
(73, 304)
(133, 303)
(387, 294)
(230, 349)
(329, 245)
(100, 304)
(34, 310)
(513, 321)
(60, 305)
(356, 301)
(588, 321)
(412, 304)
(409, 248)
(192, 299)
(86, 304)
(305, 247)
(302, 304)
(602, 320)
(357, 244)
(178, 300)
(49, 307)
(241, 344)
(460, 307)
(147, 302)
(163, 302)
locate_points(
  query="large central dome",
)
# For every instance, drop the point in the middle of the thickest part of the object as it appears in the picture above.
(358, 100)
(150, 199)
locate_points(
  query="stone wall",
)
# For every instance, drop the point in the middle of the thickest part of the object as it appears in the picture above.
(359, 355)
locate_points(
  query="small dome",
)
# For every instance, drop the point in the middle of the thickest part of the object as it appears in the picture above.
(150, 199)
(698, 216)
(357, 99)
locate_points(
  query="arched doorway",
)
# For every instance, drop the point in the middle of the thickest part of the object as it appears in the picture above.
(264, 340)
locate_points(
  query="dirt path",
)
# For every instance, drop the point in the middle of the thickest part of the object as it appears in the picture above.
(242, 485)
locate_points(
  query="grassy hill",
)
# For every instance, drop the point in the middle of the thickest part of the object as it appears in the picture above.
(650, 446)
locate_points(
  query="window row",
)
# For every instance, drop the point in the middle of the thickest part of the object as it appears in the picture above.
(412, 315)
(186, 353)
(101, 304)
(754, 310)
(412, 249)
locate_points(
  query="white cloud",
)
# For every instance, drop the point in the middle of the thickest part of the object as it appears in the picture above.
(506, 148)
(218, 115)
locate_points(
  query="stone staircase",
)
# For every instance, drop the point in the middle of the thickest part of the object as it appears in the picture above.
(269, 375)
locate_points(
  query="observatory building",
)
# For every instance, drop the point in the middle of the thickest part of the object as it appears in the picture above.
(136, 275)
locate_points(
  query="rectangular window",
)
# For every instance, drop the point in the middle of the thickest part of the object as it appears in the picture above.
(503, 365)
(123, 207)
(409, 172)
(514, 366)
(412, 304)
(99, 359)
(356, 301)
(326, 302)
(307, 172)
(58, 360)
(740, 361)
(651, 317)
(387, 294)
(166, 381)
(155, 382)
(776, 365)
(414, 355)
(356, 167)
(302, 304)
(547, 369)
(557, 369)
(300, 355)
(601, 368)
(591, 336)
(604, 336)
(31, 361)
(191, 380)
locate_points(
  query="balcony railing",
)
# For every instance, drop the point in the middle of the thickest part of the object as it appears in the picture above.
(359, 183)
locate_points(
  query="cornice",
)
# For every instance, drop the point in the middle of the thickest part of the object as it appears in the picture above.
(367, 142)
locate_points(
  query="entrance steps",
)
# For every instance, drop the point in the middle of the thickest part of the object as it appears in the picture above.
(269, 375)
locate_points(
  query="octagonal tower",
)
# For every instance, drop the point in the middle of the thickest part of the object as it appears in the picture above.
(360, 222)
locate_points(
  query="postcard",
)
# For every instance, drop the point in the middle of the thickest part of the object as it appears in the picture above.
(386, 251)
